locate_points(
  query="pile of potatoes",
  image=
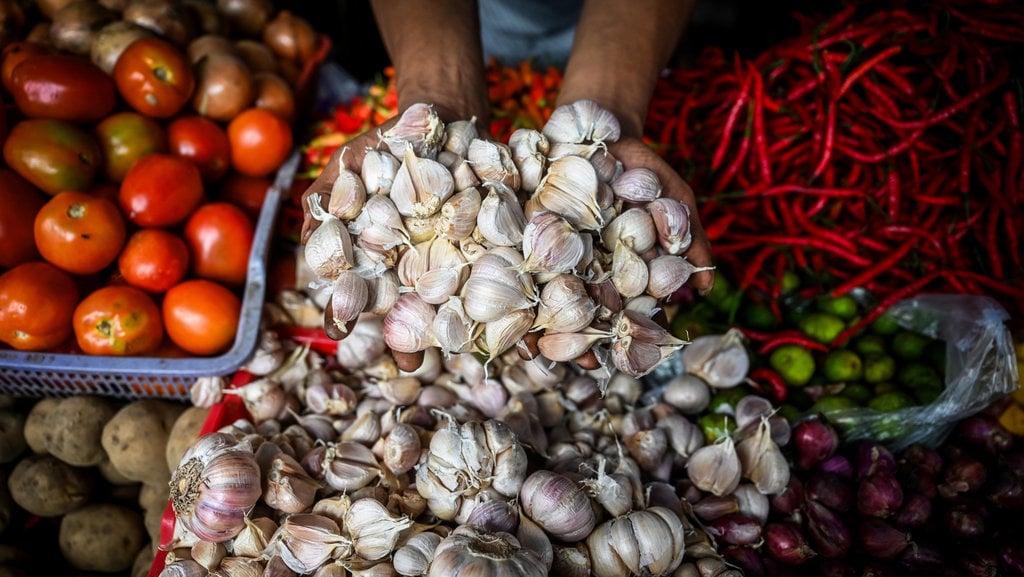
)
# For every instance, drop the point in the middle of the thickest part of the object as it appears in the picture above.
(87, 476)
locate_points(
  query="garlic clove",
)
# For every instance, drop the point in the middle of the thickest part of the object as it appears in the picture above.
(564, 306)
(721, 360)
(408, 327)
(364, 343)
(413, 558)
(419, 130)
(349, 297)
(453, 329)
(502, 334)
(529, 148)
(348, 193)
(383, 293)
(672, 222)
(570, 188)
(402, 448)
(329, 248)
(667, 273)
(551, 245)
(643, 542)
(564, 347)
(492, 163)
(253, 539)
(715, 468)
(378, 171)
(762, 462)
(500, 219)
(582, 121)
(459, 135)
(459, 215)
(349, 466)
(421, 186)
(307, 541)
(629, 271)
(634, 228)
(286, 485)
(637, 184)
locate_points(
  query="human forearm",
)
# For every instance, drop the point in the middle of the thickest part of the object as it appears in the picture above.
(435, 48)
(619, 51)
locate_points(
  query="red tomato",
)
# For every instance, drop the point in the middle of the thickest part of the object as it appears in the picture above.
(79, 233)
(260, 142)
(54, 155)
(161, 190)
(201, 316)
(153, 259)
(124, 138)
(37, 300)
(62, 86)
(21, 202)
(220, 236)
(202, 141)
(245, 192)
(14, 54)
(118, 320)
(154, 77)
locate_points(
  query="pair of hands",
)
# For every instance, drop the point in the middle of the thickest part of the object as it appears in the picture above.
(631, 151)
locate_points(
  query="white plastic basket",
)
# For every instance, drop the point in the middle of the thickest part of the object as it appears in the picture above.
(41, 374)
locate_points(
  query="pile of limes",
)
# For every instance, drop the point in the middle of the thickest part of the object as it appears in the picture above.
(884, 367)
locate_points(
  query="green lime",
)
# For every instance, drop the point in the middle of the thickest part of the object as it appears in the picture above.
(790, 412)
(723, 295)
(822, 327)
(870, 343)
(831, 403)
(842, 365)
(935, 354)
(885, 387)
(917, 375)
(757, 315)
(843, 306)
(891, 401)
(857, 393)
(879, 367)
(794, 363)
(716, 425)
(885, 325)
(790, 281)
(909, 345)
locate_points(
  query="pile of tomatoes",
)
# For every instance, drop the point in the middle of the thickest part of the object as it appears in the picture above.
(127, 214)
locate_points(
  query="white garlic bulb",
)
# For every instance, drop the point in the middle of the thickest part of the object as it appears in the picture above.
(645, 542)
(214, 486)
(559, 505)
(470, 552)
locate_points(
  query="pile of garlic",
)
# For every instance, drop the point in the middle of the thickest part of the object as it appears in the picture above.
(467, 245)
(352, 466)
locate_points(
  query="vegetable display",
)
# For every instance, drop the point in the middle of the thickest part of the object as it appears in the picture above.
(125, 127)
(878, 149)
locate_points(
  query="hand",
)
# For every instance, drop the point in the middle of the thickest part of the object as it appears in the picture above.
(352, 154)
(632, 152)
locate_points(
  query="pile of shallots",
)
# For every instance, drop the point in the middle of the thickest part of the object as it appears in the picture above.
(470, 466)
(467, 245)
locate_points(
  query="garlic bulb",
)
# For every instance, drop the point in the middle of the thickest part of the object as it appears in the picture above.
(470, 552)
(560, 506)
(467, 459)
(214, 486)
(414, 557)
(644, 542)
(374, 531)
(762, 462)
(721, 360)
(715, 468)
(492, 162)
(582, 121)
(306, 541)
(419, 129)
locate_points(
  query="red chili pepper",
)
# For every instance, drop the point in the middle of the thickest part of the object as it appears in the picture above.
(828, 141)
(790, 338)
(872, 272)
(866, 67)
(730, 122)
(776, 391)
(315, 337)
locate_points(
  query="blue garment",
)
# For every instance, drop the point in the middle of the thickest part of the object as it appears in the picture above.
(538, 30)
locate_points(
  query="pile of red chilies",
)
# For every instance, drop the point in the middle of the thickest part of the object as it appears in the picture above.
(880, 148)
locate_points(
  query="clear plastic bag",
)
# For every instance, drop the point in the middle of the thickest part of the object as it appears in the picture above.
(981, 366)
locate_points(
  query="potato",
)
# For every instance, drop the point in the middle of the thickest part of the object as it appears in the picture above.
(184, 432)
(35, 423)
(102, 537)
(74, 427)
(46, 486)
(135, 439)
(12, 435)
(154, 497)
(111, 475)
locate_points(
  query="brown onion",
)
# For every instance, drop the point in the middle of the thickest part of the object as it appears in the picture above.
(291, 37)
